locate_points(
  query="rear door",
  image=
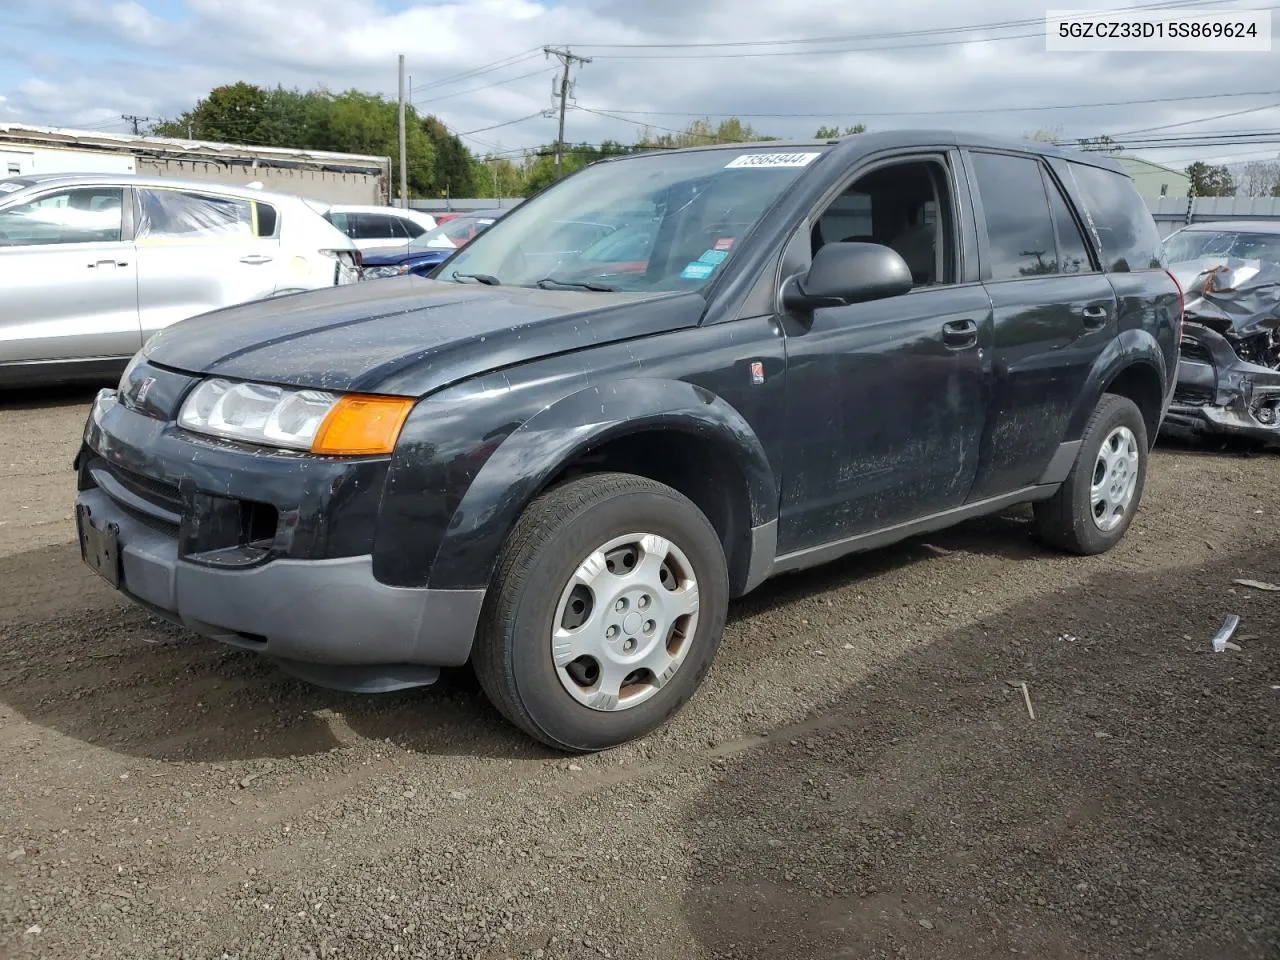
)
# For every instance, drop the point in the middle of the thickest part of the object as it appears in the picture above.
(198, 252)
(68, 276)
(1053, 312)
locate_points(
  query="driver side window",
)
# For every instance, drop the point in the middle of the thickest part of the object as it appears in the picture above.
(905, 206)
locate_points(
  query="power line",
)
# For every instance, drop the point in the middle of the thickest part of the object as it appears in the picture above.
(1188, 123)
(869, 49)
(505, 123)
(496, 83)
(935, 113)
(892, 35)
(510, 61)
(862, 115)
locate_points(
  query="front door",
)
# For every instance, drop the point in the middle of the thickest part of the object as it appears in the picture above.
(886, 400)
(68, 277)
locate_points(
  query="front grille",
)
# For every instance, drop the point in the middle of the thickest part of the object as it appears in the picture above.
(155, 498)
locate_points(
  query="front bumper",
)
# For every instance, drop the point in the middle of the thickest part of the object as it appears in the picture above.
(1218, 394)
(177, 549)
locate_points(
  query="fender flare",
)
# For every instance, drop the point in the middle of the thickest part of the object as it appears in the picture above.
(532, 454)
(1128, 349)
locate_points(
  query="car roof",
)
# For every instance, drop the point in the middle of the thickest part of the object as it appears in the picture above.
(891, 139)
(1234, 226)
(146, 180)
(374, 208)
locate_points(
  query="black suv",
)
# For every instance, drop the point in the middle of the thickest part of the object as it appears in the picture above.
(562, 471)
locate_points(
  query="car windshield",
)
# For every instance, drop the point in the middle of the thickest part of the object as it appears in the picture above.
(1190, 245)
(453, 233)
(654, 222)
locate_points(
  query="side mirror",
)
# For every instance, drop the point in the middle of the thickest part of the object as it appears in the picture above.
(849, 273)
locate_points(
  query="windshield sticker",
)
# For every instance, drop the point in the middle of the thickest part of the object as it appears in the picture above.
(697, 270)
(724, 243)
(772, 160)
(712, 257)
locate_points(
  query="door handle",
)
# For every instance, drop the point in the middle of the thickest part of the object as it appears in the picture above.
(960, 333)
(255, 258)
(106, 263)
(1094, 316)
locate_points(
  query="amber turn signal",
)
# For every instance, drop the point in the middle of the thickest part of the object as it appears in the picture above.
(362, 426)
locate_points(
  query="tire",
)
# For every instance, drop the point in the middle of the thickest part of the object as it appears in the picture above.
(531, 592)
(1067, 520)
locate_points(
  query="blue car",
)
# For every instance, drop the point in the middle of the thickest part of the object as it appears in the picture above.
(423, 254)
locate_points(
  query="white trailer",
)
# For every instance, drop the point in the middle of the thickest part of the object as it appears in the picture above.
(331, 178)
(17, 160)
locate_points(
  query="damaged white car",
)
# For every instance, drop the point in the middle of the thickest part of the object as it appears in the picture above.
(1229, 371)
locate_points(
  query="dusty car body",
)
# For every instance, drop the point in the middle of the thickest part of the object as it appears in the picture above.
(1229, 365)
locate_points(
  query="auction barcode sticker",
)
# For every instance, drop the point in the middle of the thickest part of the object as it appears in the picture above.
(1188, 31)
(772, 160)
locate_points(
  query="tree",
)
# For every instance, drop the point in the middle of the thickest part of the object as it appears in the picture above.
(832, 133)
(1207, 181)
(1261, 178)
(1045, 135)
(236, 113)
(452, 172)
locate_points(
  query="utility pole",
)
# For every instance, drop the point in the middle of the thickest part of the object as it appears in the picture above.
(129, 118)
(404, 171)
(568, 59)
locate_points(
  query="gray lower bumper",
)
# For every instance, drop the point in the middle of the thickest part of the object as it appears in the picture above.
(323, 619)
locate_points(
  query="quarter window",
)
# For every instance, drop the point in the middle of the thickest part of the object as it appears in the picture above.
(1126, 231)
(84, 215)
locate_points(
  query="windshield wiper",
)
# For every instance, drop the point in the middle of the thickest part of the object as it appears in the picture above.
(486, 278)
(584, 284)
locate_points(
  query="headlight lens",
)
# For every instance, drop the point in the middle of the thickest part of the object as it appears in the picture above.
(257, 413)
(373, 273)
(312, 420)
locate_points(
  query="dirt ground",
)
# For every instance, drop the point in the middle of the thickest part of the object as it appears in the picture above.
(860, 777)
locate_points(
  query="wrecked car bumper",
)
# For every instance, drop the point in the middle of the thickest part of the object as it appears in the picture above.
(175, 526)
(1218, 393)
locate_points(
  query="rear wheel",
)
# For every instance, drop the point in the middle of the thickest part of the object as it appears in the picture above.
(1097, 503)
(604, 614)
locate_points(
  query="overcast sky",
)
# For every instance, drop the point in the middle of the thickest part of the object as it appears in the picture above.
(83, 63)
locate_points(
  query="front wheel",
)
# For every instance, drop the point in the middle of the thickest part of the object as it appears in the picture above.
(1097, 502)
(604, 614)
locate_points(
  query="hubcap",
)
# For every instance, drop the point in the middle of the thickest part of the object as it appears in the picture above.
(1115, 479)
(625, 622)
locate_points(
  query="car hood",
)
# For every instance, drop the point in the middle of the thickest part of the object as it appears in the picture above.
(387, 256)
(408, 335)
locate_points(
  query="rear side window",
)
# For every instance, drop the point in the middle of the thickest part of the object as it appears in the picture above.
(183, 215)
(1126, 231)
(1019, 226)
(413, 228)
(375, 226)
(268, 220)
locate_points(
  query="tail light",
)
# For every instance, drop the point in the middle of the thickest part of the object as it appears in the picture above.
(1182, 304)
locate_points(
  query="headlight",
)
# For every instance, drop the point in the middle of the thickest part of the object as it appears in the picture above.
(293, 419)
(373, 273)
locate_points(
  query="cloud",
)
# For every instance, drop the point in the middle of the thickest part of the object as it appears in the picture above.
(156, 58)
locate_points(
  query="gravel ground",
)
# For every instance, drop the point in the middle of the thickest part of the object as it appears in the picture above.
(859, 778)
